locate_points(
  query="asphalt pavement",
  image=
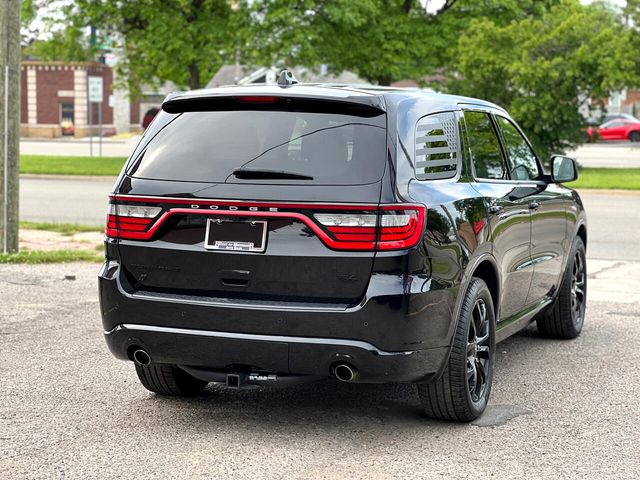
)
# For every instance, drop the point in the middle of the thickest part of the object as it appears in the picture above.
(65, 199)
(558, 409)
(78, 146)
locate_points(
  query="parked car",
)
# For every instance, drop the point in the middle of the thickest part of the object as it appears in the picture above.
(619, 116)
(620, 129)
(273, 234)
(149, 116)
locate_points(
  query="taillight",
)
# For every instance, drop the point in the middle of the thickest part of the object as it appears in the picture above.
(130, 221)
(395, 228)
(353, 227)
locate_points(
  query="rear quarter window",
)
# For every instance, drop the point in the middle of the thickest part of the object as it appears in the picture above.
(334, 149)
(436, 149)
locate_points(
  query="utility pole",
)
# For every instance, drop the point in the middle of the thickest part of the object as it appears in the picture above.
(9, 123)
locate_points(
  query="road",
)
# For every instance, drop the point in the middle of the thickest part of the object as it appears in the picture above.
(64, 199)
(78, 147)
(559, 409)
(611, 155)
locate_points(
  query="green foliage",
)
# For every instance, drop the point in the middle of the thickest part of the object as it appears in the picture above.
(60, 165)
(541, 69)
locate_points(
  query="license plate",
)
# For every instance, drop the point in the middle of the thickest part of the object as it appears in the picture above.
(235, 236)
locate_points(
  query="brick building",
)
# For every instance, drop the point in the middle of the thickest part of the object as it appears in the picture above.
(54, 100)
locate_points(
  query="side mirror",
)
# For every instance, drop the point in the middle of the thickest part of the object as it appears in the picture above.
(563, 169)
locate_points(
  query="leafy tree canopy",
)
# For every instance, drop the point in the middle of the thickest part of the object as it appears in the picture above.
(541, 69)
(540, 59)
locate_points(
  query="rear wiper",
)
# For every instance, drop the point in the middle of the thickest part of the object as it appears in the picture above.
(266, 174)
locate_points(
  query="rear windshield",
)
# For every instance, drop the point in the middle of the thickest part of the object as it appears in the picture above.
(331, 148)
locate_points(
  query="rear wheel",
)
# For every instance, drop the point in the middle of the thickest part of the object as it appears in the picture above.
(169, 380)
(634, 136)
(565, 318)
(462, 392)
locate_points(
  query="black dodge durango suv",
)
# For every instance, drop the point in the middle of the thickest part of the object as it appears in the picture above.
(270, 234)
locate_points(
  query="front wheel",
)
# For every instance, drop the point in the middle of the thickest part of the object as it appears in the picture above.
(634, 136)
(462, 391)
(565, 318)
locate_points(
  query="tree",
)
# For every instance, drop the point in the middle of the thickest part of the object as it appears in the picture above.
(182, 41)
(543, 69)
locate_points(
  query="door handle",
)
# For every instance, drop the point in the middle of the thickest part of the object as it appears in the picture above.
(495, 209)
(534, 205)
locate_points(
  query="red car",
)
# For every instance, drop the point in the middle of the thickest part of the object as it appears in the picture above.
(618, 129)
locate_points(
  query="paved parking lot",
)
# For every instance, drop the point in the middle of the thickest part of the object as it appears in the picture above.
(559, 409)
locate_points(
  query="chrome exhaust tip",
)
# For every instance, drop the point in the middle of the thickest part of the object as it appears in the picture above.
(141, 357)
(345, 372)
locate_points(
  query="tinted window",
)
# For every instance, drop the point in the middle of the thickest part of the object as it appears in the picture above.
(484, 146)
(522, 159)
(436, 146)
(334, 149)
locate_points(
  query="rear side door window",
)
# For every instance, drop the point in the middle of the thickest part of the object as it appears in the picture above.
(484, 146)
(522, 160)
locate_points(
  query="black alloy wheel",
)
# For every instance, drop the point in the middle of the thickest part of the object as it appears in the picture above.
(478, 352)
(578, 289)
(565, 318)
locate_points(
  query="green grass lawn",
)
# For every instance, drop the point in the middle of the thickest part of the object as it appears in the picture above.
(59, 165)
(64, 228)
(613, 178)
(51, 256)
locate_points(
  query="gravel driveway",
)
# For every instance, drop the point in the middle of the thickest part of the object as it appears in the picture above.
(559, 409)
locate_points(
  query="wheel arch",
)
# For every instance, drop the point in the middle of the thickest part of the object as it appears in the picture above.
(582, 233)
(484, 267)
(488, 272)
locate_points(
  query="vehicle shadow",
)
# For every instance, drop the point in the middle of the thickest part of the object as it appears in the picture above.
(328, 402)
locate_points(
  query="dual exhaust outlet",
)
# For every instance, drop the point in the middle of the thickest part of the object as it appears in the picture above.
(342, 371)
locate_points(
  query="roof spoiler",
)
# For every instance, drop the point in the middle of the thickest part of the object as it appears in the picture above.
(355, 105)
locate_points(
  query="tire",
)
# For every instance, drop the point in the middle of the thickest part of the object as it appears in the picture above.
(462, 391)
(565, 319)
(634, 136)
(169, 380)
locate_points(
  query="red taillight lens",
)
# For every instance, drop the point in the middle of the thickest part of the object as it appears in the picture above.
(393, 228)
(130, 221)
(340, 227)
(400, 227)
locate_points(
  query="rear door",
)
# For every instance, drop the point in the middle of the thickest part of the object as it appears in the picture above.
(509, 214)
(262, 204)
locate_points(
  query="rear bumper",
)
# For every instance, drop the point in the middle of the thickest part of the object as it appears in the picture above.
(392, 336)
(280, 354)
